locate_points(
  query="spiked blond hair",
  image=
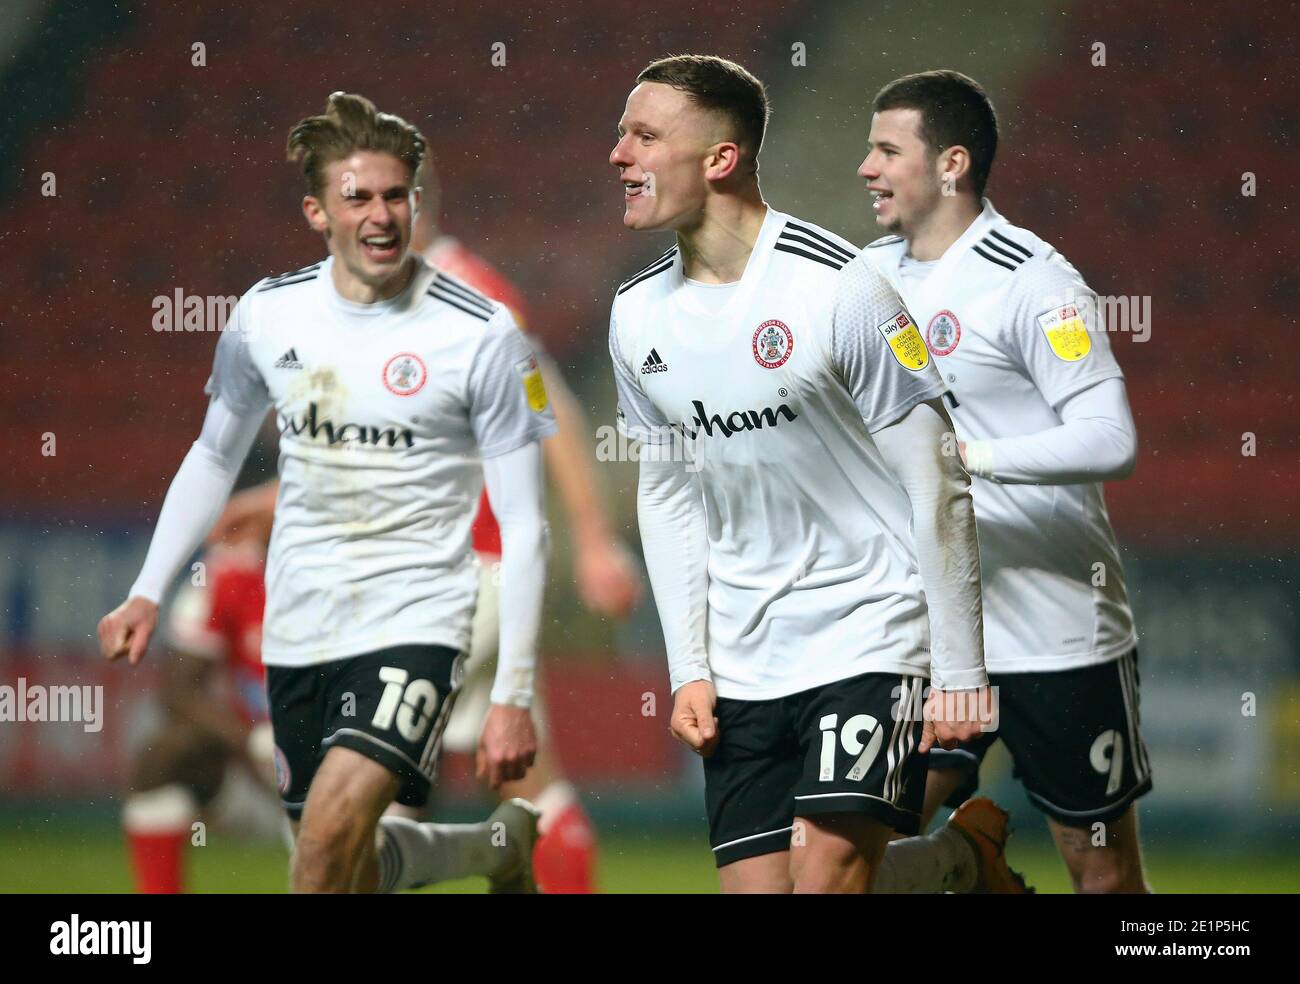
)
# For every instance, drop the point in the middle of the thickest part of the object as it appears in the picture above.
(352, 123)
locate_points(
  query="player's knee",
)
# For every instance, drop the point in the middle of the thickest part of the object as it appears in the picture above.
(328, 845)
(333, 827)
(1107, 873)
(182, 755)
(832, 877)
(830, 856)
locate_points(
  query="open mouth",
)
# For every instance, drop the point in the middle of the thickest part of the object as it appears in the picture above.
(879, 197)
(381, 249)
(633, 189)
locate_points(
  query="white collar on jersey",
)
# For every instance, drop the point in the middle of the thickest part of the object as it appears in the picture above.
(406, 298)
(759, 257)
(976, 231)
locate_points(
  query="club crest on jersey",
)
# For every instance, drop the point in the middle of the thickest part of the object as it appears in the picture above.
(943, 333)
(773, 344)
(1066, 332)
(905, 342)
(404, 374)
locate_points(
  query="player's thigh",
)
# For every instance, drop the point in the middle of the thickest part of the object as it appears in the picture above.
(749, 784)
(953, 775)
(837, 852)
(763, 874)
(185, 754)
(1075, 737)
(349, 794)
(1103, 858)
(941, 785)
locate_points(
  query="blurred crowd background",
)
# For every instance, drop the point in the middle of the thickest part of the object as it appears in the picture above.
(1156, 163)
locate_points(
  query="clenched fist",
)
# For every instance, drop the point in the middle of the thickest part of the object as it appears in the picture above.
(693, 720)
(126, 630)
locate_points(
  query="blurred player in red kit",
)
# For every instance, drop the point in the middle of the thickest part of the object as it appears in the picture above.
(214, 633)
(604, 573)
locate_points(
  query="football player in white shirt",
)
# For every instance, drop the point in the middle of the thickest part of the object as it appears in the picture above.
(1040, 409)
(792, 554)
(399, 392)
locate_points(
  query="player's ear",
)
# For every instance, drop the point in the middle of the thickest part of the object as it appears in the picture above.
(314, 209)
(722, 161)
(954, 164)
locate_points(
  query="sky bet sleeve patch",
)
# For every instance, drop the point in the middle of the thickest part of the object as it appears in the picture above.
(905, 342)
(1066, 332)
(534, 388)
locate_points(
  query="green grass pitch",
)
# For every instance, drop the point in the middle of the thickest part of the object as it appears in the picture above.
(94, 860)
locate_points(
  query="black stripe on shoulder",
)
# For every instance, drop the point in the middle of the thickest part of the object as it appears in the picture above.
(653, 263)
(296, 273)
(666, 263)
(457, 302)
(989, 245)
(885, 241)
(289, 280)
(992, 259)
(790, 239)
(815, 257)
(1013, 244)
(292, 277)
(1015, 258)
(464, 291)
(830, 244)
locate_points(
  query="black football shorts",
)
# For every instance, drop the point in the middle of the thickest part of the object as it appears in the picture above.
(390, 706)
(846, 747)
(1075, 737)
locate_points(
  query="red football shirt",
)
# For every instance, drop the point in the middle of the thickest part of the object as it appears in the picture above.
(222, 619)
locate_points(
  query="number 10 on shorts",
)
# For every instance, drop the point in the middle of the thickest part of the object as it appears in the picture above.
(413, 706)
(850, 738)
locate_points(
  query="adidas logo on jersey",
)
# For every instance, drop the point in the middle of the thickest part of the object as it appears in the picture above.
(653, 363)
(288, 361)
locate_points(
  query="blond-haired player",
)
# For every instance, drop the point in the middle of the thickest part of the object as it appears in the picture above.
(399, 392)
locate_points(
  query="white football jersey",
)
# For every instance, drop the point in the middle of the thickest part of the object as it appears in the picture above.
(1010, 324)
(386, 411)
(812, 570)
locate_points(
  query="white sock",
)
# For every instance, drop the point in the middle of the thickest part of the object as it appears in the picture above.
(412, 854)
(557, 797)
(934, 863)
(167, 809)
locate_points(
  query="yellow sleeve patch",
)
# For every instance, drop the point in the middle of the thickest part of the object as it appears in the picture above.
(1066, 333)
(905, 342)
(534, 388)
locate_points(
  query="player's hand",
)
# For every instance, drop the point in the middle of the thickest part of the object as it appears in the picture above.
(248, 516)
(508, 745)
(956, 717)
(607, 578)
(693, 721)
(961, 450)
(125, 631)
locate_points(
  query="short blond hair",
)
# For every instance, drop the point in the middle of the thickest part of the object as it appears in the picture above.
(351, 123)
